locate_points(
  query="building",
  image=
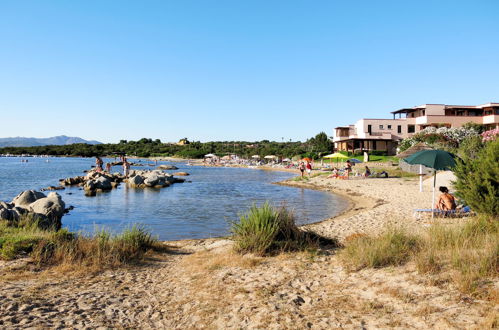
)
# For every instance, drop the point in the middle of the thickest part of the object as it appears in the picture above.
(384, 134)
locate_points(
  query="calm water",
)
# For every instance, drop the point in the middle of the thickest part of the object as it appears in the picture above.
(197, 209)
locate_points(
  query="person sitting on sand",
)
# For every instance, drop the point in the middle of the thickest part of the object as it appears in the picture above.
(446, 201)
(334, 173)
(367, 172)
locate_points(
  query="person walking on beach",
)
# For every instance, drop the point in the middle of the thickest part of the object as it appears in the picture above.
(309, 168)
(348, 168)
(301, 167)
(126, 167)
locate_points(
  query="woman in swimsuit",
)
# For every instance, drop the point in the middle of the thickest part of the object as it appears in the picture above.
(446, 201)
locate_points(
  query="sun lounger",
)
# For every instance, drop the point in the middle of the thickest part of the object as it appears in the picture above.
(464, 212)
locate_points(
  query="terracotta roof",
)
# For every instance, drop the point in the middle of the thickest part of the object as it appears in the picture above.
(412, 150)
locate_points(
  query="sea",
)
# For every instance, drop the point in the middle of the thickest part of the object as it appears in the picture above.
(204, 206)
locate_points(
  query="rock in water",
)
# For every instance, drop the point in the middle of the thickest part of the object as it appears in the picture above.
(181, 174)
(51, 207)
(167, 167)
(27, 197)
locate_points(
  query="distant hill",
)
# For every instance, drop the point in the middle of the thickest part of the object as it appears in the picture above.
(33, 142)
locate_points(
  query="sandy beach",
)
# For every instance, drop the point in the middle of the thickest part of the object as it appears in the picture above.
(203, 284)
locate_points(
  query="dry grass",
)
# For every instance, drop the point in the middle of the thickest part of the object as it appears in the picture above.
(468, 254)
(392, 248)
(65, 249)
(211, 261)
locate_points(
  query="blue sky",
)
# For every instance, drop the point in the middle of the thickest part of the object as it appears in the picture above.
(236, 70)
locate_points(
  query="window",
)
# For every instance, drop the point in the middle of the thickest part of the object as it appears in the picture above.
(369, 129)
(399, 129)
(389, 126)
(380, 126)
(411, 128)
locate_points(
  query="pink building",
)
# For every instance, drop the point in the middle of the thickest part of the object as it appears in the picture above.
(384, 134)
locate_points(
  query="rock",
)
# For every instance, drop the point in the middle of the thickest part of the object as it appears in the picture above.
(167, 167)
(52, 188)
(151, 180)
(52, 207)
(181, 174)
(5, 205)
(136, 180)
(103, 183)
(27, 197)
(5, 214)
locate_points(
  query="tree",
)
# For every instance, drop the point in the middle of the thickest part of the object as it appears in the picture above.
(321, 143)
(478, 179)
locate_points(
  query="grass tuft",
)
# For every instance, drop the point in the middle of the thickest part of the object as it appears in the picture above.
(266, 229)
(391, 248)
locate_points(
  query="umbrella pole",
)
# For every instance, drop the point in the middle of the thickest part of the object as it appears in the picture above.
(433, 202)
(420, 178)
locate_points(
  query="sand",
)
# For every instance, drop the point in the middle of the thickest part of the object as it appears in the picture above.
(203, 284)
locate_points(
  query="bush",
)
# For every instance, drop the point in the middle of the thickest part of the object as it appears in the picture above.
(478, 180)
(263, 230)
(393, 247)
(99, 251)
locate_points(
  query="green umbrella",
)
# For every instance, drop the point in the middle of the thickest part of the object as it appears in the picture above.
(435, 159)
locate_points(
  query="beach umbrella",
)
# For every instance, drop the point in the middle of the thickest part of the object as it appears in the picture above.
(306, 159)
(209, 156)
(355, 160)
(336, 155)
(270, 157)
(286, 160)
(436, 159)
(255, 157)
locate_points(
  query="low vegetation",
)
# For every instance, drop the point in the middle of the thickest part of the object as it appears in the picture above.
(467, 253)
(101, 250)
(265, 230)
(392, 248)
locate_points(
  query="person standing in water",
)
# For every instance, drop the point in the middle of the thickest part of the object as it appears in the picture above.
(126, 167)
(98, 164)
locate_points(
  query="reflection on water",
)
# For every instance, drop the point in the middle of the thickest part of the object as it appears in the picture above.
(196, 209)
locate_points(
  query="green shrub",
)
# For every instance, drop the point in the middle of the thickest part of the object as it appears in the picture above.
(263, 230)
(392, 248)
(478, 180)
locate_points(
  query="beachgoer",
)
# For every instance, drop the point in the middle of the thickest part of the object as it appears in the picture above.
(367, 172)
(446, 201)
(98, 164)
(348, 168)
(126, 167)
(309, 168)
(302, 168)
(108, 167)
